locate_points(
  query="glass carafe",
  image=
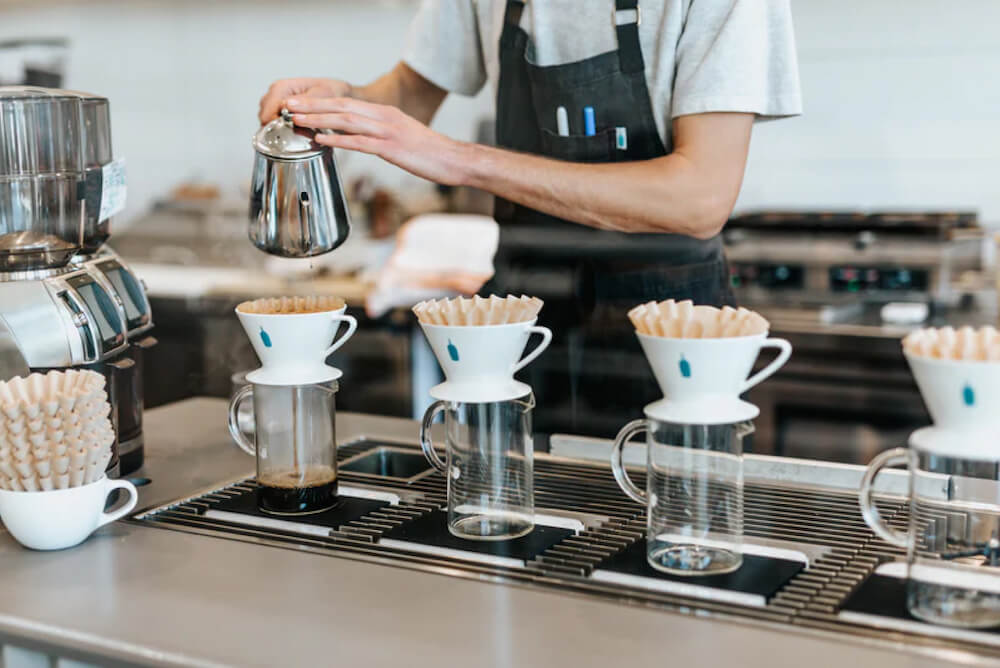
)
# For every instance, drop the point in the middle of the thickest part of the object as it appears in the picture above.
(294, 442)
(488, 465)
(953, 538)
(693, 496)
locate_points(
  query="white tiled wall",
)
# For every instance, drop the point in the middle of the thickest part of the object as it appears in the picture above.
(902, 109)
(184, 76)
(902, 96)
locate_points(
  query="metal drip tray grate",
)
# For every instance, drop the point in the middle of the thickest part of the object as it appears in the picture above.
(810, 542)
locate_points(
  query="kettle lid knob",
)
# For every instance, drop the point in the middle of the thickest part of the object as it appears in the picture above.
(283, 140)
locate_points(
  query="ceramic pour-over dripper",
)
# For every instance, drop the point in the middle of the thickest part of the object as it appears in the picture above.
(958, 374)
(701, 357)
(479, 360)
(292, 337)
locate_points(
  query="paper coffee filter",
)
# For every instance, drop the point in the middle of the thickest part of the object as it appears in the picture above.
(685, 320)
(50, 424)
(492, 310)
(947, 343)
(290, 305)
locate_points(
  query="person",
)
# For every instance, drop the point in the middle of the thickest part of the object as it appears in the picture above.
(622, 134)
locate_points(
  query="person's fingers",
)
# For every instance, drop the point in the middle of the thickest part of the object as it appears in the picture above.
(327, 90)
(325, 105)
(270, 103)
(360, 143)
(342, 122)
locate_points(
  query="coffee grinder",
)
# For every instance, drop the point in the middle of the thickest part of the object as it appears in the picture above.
(66, 299)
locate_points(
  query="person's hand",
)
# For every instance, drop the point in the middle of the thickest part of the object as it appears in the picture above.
(274, 99)
(384, 131)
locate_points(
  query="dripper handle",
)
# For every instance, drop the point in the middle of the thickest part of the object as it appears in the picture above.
(630, 430)
(352, 324)
(546, 340)
(785, 351)
(234, 420)
(869, 510)
(425, 436)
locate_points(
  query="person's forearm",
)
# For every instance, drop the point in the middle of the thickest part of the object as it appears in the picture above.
(692, 191)
(668, 194)
(403, 88)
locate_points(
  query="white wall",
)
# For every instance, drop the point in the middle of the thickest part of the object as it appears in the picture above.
(184, 76)
(902, 109)
(902, 96)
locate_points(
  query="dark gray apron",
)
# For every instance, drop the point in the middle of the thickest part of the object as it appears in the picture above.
(607, 272)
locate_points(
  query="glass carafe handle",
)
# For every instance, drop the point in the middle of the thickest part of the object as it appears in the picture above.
(425, 436)
(234, 420)
(618, 468)
(868, 509)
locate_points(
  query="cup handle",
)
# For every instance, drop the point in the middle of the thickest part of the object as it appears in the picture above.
(425, 436)
(786, 351)
(124, 510)
(630, 430)
(234, 420)
(546, 340)
(868, 509)
(352, 324)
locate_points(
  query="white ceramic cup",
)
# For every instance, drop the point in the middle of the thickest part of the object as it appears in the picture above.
(293, 347)
(62, 518)
(479, 361)
(960, 394)
(700, 369)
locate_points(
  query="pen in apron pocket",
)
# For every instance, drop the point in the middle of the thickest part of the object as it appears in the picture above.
(621, 138)
(589, 125)
(562, 122)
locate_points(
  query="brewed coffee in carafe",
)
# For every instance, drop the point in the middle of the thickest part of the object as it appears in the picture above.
(295, 445)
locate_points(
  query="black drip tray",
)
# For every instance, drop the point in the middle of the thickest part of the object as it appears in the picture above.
(348, 509)
(881, 601)
(754, 583)
(388, 462)
(429, 535)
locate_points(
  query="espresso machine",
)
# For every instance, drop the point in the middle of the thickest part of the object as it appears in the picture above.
(66, 299)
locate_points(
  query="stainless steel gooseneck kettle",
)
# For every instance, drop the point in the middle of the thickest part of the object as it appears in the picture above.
(297, 205)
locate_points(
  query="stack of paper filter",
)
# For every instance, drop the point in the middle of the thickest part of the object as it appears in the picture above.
(54, 430)
(478, 310)
(684, 320)
(946, 343)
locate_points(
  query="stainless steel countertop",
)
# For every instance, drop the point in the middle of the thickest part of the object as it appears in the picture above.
(138, 594)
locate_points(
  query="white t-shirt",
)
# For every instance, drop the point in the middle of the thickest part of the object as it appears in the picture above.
(700, 55)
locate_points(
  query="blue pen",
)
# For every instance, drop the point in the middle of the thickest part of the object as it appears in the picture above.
(589, 125)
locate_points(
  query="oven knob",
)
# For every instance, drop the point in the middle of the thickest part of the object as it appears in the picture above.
(864, 240)
(80, 319)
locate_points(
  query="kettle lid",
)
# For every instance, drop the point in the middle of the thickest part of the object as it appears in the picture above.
(282, 140)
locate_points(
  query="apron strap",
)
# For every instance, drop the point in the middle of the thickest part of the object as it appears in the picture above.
(511, 24)
(626, 18)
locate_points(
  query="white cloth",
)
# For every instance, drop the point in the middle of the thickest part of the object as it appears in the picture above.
(436, 255)
(700, 55)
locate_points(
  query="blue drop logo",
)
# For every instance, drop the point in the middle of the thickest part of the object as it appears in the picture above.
(685, 367)
(265, 338)
(452, 351)
(969, 395)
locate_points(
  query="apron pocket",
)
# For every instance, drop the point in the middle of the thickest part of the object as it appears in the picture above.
(581, 148)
